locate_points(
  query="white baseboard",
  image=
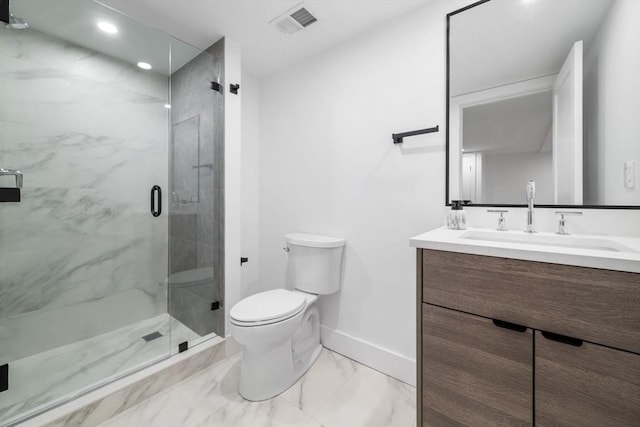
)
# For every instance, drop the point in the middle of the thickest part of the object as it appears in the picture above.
(378, 358)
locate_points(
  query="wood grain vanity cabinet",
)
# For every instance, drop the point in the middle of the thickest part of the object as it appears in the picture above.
(586, 382)
(504, 342)
(475, 373)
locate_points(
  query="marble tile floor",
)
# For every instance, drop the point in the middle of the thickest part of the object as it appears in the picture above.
(336, 392)
(39, 380)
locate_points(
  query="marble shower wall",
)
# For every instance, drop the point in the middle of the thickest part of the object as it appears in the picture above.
(81, 255)
(196, 220)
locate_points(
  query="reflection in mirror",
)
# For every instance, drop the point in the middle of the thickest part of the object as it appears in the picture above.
(185, 150)
(549, 91)
(506, 142)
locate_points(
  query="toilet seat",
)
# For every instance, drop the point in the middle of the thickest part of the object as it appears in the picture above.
(267, 307)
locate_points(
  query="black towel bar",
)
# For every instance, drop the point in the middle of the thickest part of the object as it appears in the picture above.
(398, 137)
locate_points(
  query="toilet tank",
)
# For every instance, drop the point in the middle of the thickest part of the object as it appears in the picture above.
(315, 262)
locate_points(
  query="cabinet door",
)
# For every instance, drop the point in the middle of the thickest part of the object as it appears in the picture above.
(585, 384)
(474, 373)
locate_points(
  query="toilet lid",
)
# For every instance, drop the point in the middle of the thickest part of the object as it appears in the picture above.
(269, 305)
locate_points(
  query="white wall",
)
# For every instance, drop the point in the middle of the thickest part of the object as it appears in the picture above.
(232, 177)
(250, 183)
(612, 102)
(328, 165)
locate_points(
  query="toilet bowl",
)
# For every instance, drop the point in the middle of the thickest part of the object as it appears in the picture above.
(280, 328)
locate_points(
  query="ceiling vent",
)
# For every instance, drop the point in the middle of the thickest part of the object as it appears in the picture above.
(294, 20)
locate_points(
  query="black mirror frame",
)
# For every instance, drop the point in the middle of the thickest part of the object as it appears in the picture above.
(447, 202)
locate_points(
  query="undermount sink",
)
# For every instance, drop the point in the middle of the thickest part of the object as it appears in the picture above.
(576, 242)
(607, 252)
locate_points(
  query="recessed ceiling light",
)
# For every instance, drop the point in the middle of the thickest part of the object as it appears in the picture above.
(144, 65)
(167, 106)
(107, 27)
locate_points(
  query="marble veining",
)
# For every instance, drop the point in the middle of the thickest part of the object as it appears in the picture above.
(330, 372)
(46, 377)
(91, 137)
(49, 51)
(52, 282)
(370, 399)
(336, 392)
(38, 331)
(116, 398)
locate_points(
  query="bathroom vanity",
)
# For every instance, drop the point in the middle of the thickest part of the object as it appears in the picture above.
(522, 330)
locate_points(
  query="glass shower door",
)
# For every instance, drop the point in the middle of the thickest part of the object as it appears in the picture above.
(196, 212)
(83, 260)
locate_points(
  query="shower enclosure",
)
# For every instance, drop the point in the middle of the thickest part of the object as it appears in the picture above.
(111, 136)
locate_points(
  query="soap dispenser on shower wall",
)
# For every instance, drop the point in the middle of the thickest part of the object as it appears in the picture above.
(457, 217)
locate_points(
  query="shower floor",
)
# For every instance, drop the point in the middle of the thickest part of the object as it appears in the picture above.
(40, 380)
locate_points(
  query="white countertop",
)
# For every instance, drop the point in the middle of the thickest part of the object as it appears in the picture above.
(626, 259)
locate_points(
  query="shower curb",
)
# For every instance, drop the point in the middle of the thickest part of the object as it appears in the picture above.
(114, 398)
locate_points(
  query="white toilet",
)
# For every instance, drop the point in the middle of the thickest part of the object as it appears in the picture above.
(280, 329)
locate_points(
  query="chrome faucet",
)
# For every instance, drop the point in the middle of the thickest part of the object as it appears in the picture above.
(531, 195)
(562, 224)
(502, 226)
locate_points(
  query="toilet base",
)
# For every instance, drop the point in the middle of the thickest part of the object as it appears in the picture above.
(269, 368)
(266, 374)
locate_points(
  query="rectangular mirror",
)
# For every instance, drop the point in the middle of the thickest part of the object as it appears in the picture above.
(549, 91)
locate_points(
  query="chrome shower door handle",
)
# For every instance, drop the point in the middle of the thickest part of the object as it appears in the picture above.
(13, 172)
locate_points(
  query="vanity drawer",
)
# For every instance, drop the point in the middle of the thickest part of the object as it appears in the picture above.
(600, 306)
(474, 373)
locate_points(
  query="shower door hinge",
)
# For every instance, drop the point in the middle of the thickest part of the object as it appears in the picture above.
(216, 86)
(234, 88)
(4, 377)
(183, 346)
(215, 305)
